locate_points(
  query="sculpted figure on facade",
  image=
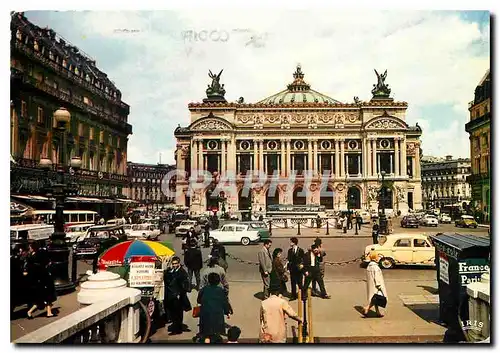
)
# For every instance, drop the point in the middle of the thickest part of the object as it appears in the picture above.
(386, 124)
(373, 193)
(338, 120)
(400, 193)
(410, 149)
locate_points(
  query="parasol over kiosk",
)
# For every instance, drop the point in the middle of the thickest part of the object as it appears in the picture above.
(122, 253)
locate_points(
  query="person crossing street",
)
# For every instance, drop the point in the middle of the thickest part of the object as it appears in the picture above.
(265, 265)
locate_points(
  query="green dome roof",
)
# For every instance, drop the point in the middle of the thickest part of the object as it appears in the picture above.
(298, 92)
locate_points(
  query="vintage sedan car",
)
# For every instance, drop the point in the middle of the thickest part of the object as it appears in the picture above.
(260, 226)
(185, 226)
(466, 222)
(403, 249)
(409, 222)
(76, 231)
(444, 218)
(235, 233)
(97, 239)
(429, 220)
(142, 231)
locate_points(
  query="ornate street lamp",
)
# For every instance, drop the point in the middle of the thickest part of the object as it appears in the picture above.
(58, 250)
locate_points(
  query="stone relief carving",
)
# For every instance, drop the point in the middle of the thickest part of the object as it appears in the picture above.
(339, 120)
(410, 149)
(285, 121)
(373, 193)
(211, 125)
(299, 118)
(352, 117)
(400, 193)
(273, 118)
(244, 118)
(257, 122)
(340, 187)
(325, 118)
(313, 187)
(312, 121)
(385, 124)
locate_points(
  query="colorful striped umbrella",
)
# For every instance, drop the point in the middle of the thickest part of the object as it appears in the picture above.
(121, 253)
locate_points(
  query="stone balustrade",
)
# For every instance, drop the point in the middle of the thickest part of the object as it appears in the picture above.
(114, 319)
(478, 327)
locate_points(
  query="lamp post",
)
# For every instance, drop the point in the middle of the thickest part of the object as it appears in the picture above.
(381, 205)
(58, 250)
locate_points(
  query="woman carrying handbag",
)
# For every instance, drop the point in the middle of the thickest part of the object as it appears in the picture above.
(377, 293)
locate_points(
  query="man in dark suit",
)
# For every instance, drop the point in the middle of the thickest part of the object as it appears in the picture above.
(176, 300)
(265, 265)
(194, 262)
(295, 256)
(312, 270)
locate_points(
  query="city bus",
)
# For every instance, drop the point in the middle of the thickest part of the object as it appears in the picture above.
(70, 217)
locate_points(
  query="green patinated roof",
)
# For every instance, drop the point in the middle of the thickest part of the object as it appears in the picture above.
(298, 92)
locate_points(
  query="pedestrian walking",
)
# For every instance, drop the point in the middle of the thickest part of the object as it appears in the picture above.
(176, 300)
(374, 284)
(375, 232)
(193, 261)
(213, 267)
(265, 265)
(42, 291)
(278, 275)
(322, 255)
(359, 221)
(213, 306)
(344, 223)
(206, 235)
(318, 223)
(273, 313)
(312, 272)
(349, 220)
(295, 257)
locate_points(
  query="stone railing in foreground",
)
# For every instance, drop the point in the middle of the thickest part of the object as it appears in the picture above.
(478, 326)
(111, 320)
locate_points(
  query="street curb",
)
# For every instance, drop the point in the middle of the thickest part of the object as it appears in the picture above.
(321, 236)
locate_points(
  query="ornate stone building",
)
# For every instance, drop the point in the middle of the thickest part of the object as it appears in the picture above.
(145, 184)
(47, 72)
(444, 182)
(479, 130)
(347, 145)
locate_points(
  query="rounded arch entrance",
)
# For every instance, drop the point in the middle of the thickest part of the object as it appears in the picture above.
(326, 197)
(353, 198)
(299, 197)
(272, 197)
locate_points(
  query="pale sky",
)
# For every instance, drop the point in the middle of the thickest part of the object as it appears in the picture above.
(434, 61)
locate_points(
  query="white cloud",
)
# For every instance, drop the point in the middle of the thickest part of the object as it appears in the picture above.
(427, 54)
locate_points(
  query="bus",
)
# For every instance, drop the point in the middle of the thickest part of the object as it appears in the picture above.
(30, 233)
(70, 217)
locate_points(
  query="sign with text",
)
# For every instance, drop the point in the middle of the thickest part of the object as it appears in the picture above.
(142, 274)
(444, 269)
(470, 270)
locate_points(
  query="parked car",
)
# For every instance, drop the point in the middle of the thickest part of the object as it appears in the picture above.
(142, 231)
(76, 231)
(466, 221)
(185, 226)
(235, 233)
(444, 218)
(403, 249)
(176, 220)
(97, 239)
(260, 226)
(429, 221)
(365, 216)
(409, 222)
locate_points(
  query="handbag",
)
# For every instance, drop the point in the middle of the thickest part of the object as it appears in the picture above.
(379, 300)
(196, 311)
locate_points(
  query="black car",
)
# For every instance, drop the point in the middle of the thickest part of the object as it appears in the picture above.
(98, 239)
(175, 221)
(409, 222)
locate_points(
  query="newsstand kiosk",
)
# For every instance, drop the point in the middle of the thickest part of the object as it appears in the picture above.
(460, 260)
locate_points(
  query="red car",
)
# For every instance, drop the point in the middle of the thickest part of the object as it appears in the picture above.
(409, 222)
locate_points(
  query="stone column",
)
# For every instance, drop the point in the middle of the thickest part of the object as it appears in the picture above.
(374, 157)
(283, 157)
(315, 157)
(223, 156)
(342, 158)
(201, 164)
(417, 161)
(194, 154)
(309, 155)
(288, 164)
(404, 167)
(261, 156)
(359, 164)
(337, 159)
(231, 155)
(397, 172)
(390, 164)
(368, 158)
(255, 155)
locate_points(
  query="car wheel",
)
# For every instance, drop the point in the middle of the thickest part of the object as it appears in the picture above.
(386, 263)
(245, 241)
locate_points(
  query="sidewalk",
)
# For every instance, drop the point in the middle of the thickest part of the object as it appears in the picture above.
(338, 319)
(364, 232)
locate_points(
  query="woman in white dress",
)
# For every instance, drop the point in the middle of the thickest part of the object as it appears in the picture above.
(374, 283)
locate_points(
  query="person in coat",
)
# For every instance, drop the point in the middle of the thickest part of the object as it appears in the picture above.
(40, 281)
(214, 305)
(213, 267)
(278, 275)
(176, 300)
(273, 313)
(375, 231)
(219, 251)
(312, 271)
(322, 255)
(265, 265)
(193, 261)
(206, 235)
(374, 283)
(295, 257)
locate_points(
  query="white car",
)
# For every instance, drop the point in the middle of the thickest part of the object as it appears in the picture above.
(235, 233)
(444, 218)
(185, 226)
(429, 220)
(141, 231)
(76, 231)
(403, 249)
(366, 217)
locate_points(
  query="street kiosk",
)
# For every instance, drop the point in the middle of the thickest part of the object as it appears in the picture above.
(460, 260)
